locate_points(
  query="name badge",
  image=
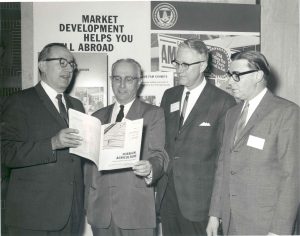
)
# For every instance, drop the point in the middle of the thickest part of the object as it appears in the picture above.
(174, 107)
(256, 142)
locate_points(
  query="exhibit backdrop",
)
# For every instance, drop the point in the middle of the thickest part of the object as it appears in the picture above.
(146, 31)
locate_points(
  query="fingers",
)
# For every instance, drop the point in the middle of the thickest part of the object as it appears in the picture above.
(212, 227)
(142, 168)
(66, 138)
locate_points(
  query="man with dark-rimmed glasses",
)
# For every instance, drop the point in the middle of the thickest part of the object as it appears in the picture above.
(193, 112)
(256, 189)
(45, 190)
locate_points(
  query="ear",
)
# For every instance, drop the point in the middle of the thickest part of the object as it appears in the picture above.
(42, 66)
(203, 66)
(259, 76)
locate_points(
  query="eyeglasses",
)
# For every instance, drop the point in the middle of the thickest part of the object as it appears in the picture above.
(63, 62)
(184, 65)
(236, 75)
(127, 79)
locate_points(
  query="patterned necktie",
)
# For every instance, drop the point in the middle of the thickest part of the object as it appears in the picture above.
(182, 115)
(242, 122)
(62, 108)
(120, 114)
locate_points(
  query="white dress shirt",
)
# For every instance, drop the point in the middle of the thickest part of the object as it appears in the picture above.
(253, 103)
(52, 95)
(116, 110)
(193, 97)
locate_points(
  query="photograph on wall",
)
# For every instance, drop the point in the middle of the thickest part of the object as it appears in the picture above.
(90, 85)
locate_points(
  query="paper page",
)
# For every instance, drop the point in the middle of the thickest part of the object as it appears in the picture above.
(90, 130)
(121, 144)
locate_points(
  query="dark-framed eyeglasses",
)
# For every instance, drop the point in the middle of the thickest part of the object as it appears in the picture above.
(118, 79)
(236, 75)
(63, 62)
(184, 65)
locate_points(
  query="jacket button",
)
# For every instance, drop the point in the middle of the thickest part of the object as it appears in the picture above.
(232, 172)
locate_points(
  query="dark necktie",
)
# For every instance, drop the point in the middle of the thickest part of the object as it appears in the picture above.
(62, 108)
(242, 122)
(120, 114)
(182, 115)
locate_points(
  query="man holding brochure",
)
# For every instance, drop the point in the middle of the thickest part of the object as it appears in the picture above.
(121, 202)
(45, 190)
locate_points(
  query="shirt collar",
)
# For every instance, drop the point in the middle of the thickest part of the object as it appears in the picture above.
(50, 91)
(256, 100)
(196, 90)
(126, 106)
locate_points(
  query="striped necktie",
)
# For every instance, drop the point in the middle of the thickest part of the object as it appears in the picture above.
(242, 122)
(182, 115)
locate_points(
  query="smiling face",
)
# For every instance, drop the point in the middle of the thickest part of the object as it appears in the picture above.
(125, 91)
(52, 73)
(247, 88)
(193, 76)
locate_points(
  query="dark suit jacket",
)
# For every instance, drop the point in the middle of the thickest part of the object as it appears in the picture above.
(42, 181)
(120, 194)
(193, 151)
(259, 184)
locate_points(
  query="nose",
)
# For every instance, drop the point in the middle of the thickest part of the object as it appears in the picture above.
(122, 83)
(179, 69)
(230, 80)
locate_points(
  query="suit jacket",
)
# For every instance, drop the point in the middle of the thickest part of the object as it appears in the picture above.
(42, 182)
(121, 194)
(259, 181)
(194, 149)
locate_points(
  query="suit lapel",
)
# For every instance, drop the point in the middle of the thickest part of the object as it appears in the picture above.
(134, 111)
(262, 110)
(107, 115)
(200, 108)
(49, 105)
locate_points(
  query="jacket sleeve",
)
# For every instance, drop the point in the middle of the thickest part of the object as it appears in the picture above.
(158, 157)
(288, 155)
(17, 149)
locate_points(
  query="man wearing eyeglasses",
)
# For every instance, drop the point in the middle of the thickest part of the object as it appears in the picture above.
(256, 189)
(193, 112)
(121, 202)
(45, 190)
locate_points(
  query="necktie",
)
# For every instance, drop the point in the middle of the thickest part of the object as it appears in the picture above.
(242, 122)
(62, 108)
(120, 114)
(182, 115)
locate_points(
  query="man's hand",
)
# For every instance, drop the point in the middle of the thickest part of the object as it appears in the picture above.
(66, 138)
(212, 226)
(142, 168)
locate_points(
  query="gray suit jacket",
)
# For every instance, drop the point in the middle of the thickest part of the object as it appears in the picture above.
(121, 194)
(257, 179)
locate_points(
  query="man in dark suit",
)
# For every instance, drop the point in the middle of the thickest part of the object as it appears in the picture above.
(121, 202)
(45, 189)
(256, 189)
(193, 113)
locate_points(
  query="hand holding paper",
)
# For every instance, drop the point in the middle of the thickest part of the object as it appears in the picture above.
(142, 168)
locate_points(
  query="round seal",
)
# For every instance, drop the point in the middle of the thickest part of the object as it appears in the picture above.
(164, 15)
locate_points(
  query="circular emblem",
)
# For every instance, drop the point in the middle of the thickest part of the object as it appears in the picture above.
(220, 61)
(164, 15)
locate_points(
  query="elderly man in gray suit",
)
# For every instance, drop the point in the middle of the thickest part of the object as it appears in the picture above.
(256, 189)
(121, 202)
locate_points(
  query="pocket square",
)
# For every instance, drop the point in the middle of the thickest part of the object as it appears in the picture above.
(204, 124)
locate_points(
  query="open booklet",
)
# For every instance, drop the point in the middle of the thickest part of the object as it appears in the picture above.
(111, 146)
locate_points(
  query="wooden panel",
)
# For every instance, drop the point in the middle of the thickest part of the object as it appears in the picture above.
(280, 44)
